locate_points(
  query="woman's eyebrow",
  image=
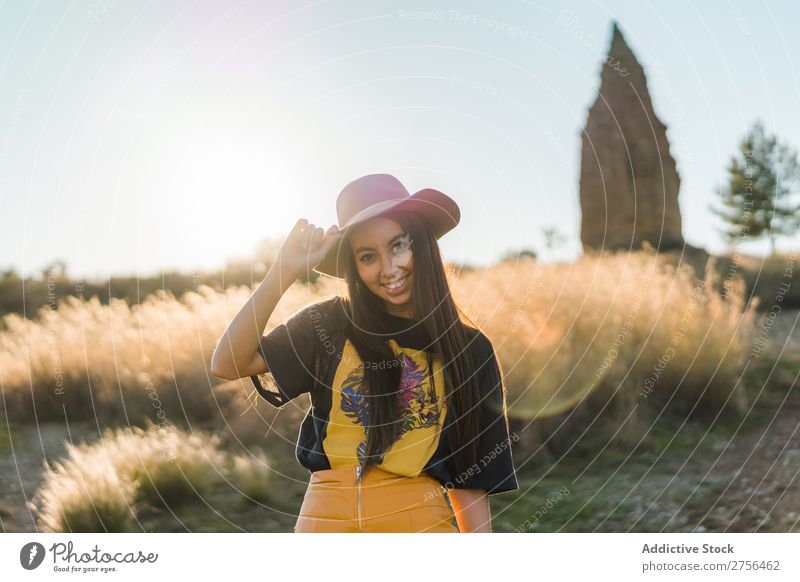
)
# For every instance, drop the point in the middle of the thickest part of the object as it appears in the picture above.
(365, 248)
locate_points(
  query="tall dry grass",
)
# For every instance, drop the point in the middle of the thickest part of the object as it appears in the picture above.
(612, 343)
(125, 365)
(103, 486)
(609, 341)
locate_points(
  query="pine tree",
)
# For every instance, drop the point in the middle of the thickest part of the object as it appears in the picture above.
(762, 178)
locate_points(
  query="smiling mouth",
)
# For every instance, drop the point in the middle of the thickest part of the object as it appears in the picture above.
(397, 284)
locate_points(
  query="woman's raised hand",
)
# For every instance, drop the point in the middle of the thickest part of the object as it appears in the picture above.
(305, 247)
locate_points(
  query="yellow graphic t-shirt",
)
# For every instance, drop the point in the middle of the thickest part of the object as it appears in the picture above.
(423, 412)
(310, 354)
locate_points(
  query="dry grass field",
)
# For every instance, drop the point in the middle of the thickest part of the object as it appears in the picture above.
(621, 364)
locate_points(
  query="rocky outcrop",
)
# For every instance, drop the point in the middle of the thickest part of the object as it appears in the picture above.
(628, 184)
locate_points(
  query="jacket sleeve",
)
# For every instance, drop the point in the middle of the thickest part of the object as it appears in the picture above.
(494, 470)
(290, 350)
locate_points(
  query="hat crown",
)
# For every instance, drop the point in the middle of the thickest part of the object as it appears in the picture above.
(375, 195)
(367, 191)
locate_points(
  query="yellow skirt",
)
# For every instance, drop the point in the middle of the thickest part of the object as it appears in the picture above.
(339, 500)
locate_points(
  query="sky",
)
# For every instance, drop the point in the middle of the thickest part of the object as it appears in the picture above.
(145, 136)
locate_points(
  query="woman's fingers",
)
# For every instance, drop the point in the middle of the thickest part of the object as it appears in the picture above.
(311, 237)
(298, 227)
(311, 242)
(321, 248)
(332, 236)
(307, 236)
(297, 235)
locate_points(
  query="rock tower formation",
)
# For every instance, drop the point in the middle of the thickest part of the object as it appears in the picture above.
(629, 184)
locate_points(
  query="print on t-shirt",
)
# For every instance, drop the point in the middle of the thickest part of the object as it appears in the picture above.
(423, 411)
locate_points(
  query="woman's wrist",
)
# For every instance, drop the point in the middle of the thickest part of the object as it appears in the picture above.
(285, 276)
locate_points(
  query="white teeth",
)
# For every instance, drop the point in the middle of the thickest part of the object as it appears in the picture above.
(396, 284)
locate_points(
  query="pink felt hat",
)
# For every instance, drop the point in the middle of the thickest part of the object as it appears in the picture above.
(376, 194)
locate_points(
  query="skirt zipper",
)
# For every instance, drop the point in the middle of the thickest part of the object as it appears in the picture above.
(358, 495)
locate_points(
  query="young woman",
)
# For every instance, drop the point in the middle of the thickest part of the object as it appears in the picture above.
(407, 429)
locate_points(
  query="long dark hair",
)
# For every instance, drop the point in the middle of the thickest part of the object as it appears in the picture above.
(434, 309)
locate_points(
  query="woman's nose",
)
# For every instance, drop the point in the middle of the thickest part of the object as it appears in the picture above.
(389, 267)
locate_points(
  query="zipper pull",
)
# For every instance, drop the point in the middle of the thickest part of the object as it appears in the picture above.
(358, 473)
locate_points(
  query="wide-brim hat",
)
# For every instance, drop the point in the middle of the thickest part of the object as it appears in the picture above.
(376, 194)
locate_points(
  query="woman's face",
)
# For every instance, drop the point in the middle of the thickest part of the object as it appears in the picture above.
(385, 262)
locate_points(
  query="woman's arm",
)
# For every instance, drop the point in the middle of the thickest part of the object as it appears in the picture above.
(471, 507)
(237, 353)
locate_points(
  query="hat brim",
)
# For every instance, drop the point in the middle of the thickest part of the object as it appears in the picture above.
(439, 210)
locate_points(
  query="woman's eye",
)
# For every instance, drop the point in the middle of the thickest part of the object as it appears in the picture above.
(366, 256)
(402, 245)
